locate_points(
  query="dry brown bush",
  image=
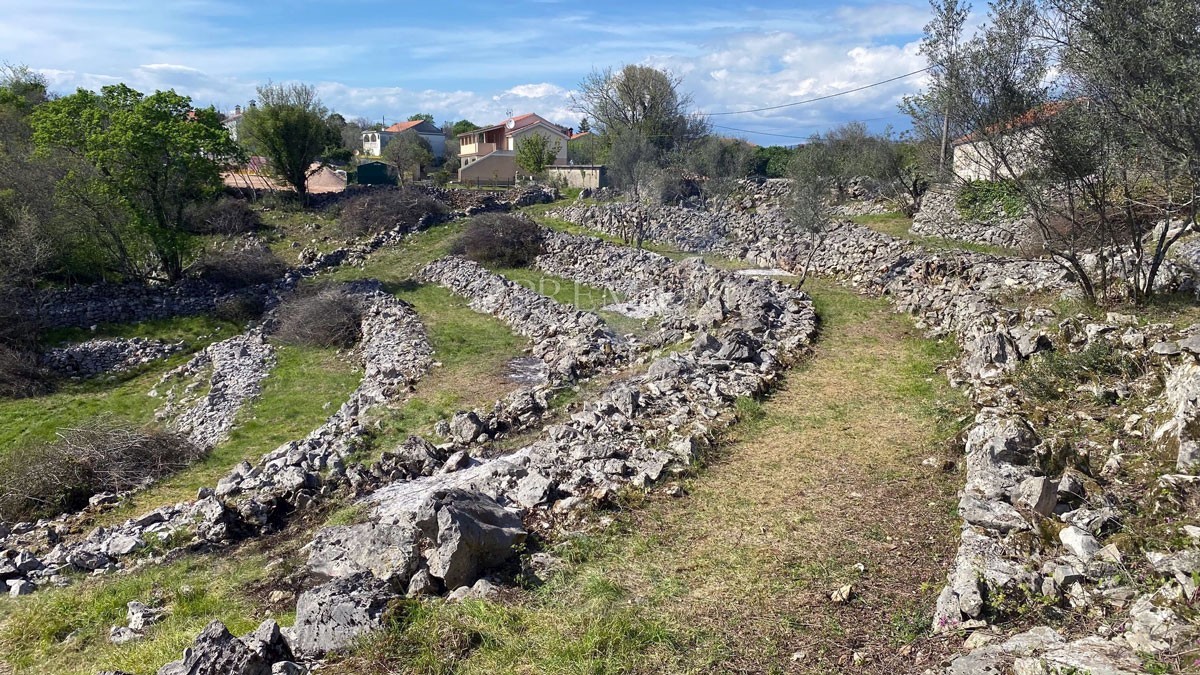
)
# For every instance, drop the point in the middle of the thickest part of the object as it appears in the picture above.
(227, 215)
(500, 239)
(20, 375)
(238, 269)
(383, 210)
(320, 317)
(40, 480)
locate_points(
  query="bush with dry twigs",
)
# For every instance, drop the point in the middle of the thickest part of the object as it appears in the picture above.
(375, 211)
(500, 239)
(238, 269)
(44, 479)
(320, 317)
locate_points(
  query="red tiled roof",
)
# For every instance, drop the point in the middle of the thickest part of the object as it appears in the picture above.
(519, 122)
(1029, 118)
(403, 126)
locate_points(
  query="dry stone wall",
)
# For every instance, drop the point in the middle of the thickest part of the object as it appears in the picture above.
(251, 499)
(940, 217)
(233, 370)
(107, 355)
(1009, 485)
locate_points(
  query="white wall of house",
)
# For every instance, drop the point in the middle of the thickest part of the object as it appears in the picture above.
(375, 141)
(981, 160)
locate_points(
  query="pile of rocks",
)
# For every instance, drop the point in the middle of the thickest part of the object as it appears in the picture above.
(107, 355)
(251, 499)
(234, 370)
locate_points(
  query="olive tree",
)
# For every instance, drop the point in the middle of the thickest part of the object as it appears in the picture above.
(535, 152)
(409, 153)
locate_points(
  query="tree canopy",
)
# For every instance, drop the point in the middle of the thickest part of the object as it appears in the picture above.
(535, 152)
(409, 152)
(140, 160)
(290, 127)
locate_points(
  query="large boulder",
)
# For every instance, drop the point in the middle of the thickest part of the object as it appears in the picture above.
(388, 551)
(330, 617)
(217, 652)
(473, 534)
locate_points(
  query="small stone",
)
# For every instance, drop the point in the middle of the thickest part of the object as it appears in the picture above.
(1080, 542)
(842, 595)
(119, 635)
(1166, 348)
(18, 587)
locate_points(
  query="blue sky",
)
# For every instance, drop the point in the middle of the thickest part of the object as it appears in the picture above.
(477, 60)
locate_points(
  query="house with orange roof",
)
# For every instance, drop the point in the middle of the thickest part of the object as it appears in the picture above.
(1006, 148)
(375, 141)
(489, 154)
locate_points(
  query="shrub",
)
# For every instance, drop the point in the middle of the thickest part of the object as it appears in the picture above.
(238, 269)
(500, 239)
(45, 479)
(20, 376)
(1055, 375)
(320, 317)
(239, 309)
(376, 211)
(985, 199)
(227, 215)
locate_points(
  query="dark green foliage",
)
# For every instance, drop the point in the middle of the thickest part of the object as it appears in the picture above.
(289, 127)
(238, 269)
(40, 480)
(772, 161)
(500, 239)
(142, 160)
(980, 199)
(320, 317)
(380, 210)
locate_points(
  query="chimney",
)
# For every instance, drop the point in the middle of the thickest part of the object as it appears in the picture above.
(237, 110)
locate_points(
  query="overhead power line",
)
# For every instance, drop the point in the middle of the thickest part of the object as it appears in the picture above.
(820, 98)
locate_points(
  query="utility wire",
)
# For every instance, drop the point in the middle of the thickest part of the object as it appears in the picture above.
(820, 98)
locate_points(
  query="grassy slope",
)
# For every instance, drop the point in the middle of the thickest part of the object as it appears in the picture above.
(737, 575)
(897, 224)
(305, 387)
(472, 348)
(122, 396)
(65, 630)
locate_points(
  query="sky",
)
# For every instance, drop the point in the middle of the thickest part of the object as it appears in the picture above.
(479, 60)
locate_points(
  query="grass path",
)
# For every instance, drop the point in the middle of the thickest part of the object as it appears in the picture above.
(820, 486)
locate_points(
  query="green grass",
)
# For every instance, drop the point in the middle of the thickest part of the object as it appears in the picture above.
(122, 396)
(725, 579)
(196, 331)
(306, 386)
(65, 630)
(897, 225)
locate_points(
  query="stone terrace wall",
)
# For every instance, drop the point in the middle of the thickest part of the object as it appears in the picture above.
(939, 217)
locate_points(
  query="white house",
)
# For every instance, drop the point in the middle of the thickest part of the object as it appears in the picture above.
(490, 153)
(375, 141)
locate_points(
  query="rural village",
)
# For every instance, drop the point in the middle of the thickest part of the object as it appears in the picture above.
(286, 392)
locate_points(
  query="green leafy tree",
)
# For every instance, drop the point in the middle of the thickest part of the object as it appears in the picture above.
(409, 153)
(535, 152)
(289, 127)
(141, 160)
(463, 126)
(772, 161)
(421, 116)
